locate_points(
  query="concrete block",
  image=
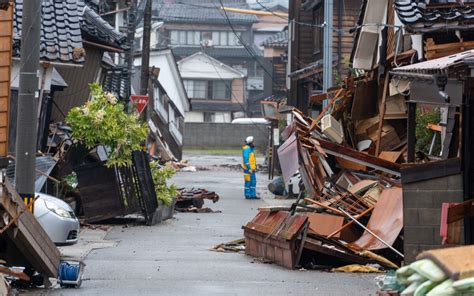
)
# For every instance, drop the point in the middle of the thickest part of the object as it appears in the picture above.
(419, 235)
(433, 184)
(417, 199)
(455, 182)
(429, 217)
(410, 217)
(439, 197)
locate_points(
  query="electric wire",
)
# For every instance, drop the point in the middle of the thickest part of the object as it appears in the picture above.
(229, 88)
(246, 46)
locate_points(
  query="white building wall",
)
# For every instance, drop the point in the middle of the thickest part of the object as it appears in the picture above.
(194, 116)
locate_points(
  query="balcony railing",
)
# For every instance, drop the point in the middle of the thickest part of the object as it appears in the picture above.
(176, 133)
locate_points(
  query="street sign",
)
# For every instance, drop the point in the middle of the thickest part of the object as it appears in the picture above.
(140, 102)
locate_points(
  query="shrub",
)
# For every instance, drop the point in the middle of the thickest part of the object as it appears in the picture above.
(424, 135)
(161, 174)
(103, 121)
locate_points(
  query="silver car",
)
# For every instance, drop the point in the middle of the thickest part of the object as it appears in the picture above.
(57, 218)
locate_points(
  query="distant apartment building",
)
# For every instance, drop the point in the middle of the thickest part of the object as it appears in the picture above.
(189, 27)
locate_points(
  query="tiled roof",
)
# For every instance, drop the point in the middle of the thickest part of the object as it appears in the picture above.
(218, 52)
(97, 28)
(63, 25)
(203, 13)
(280, 39)
(60, 31)
(417, 15)
(116, 81)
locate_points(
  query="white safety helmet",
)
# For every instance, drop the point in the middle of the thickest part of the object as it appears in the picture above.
(249, 140)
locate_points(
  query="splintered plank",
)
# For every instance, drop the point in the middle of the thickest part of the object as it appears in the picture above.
(360, 158)
(29, 236)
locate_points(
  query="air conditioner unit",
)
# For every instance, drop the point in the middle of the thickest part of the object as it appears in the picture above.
(332, 129)
(207, 43)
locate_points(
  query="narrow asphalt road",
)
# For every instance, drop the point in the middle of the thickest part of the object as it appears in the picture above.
(173, 258)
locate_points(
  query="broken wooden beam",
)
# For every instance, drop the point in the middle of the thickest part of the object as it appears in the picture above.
(28, 235)
(360, 158)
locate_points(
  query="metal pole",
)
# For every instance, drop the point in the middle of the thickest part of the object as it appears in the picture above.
(371, 232)
(145, 71)
(27, 101)
(327, 51)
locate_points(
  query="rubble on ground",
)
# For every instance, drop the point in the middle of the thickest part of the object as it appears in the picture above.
(192, 200)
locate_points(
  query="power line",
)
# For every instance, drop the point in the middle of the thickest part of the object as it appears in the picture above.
(245, 46)
(229, 88)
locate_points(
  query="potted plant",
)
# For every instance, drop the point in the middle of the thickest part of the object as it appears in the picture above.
(165, 193)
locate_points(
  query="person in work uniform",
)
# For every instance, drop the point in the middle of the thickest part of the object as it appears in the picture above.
(250, 166)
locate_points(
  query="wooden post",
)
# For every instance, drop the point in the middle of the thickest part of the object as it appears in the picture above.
(382, 114)
(411, 132)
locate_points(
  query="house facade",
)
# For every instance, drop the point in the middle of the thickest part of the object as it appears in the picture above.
(74, 38)
(269, 25)
(305, 51)
(276, 52)
(189, 27)
(216, 90)
(168, 104)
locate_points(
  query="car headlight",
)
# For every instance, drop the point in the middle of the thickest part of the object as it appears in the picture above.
(58, 210)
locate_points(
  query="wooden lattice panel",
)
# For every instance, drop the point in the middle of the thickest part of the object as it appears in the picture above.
(6, 34)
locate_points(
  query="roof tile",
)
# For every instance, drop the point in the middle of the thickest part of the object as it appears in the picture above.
(419, 16)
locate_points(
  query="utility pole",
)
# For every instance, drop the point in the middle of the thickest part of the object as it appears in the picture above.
(145, 71)
(327, 51)
(27, 101)
(132, 16)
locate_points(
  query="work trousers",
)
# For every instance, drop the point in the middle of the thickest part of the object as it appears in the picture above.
(250, 185)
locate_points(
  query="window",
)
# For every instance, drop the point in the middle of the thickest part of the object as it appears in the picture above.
(209, 116)
(174, 37)
(199, 89)
(159, 102)
(223, 38)
(318, 18)
(206, 36)
(210, 90)
(138, 44)
(234, 38)
(196, 89)
(217, 117)
(221, 90)
(219, 38)
(182, 37)
(215, 38)
(190, 39)
(197, 37)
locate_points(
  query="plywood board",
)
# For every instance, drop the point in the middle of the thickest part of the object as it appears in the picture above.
(324, 224)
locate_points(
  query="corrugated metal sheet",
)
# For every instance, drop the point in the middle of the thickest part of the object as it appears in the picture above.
(438, 64)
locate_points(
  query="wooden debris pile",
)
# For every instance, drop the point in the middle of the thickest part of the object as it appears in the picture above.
(192, 200)
(351, 209)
